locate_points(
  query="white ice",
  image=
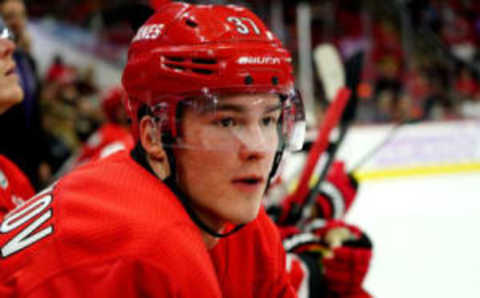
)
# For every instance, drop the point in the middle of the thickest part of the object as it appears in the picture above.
(426, 233)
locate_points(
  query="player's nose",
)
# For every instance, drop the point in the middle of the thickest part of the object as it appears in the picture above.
(254, 144)
(6, 47)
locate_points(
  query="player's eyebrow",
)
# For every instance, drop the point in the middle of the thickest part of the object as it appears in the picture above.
(273, 108)
(228, 107)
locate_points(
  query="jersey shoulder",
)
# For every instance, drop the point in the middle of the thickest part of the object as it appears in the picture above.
(100, 213)
(116, 195)
(14, 186)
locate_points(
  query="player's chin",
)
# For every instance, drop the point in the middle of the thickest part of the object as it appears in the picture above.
(9, 97)
(245, 212)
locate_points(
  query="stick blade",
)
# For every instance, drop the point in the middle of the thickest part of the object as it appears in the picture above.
(330, 69)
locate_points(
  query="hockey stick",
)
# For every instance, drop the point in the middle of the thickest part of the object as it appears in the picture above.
(330, 69)
(321, 144)
(353, 72)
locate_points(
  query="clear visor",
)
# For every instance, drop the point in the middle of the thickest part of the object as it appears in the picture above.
(263, 122)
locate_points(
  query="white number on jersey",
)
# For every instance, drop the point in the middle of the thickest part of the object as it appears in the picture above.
(29, 234)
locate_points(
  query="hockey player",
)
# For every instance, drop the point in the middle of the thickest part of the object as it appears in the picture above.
(213, 107)
(14, 185)
(114, 134)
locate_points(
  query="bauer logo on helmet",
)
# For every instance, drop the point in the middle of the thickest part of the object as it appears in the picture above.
(259, 60)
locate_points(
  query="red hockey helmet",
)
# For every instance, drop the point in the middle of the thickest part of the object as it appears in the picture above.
(112, 100)
(184, 51)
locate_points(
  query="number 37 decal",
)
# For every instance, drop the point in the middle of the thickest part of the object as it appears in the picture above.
(244, 25)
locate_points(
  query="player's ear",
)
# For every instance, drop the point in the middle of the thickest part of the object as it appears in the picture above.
(150, 137)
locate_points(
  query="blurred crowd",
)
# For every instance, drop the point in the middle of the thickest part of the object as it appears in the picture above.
(421, 57)
(422, 62)
(61, 109)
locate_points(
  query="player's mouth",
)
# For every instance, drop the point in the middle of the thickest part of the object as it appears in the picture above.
(248, 183)
(10, 70)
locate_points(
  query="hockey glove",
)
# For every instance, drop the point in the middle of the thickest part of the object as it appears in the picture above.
(346, 264)
(337, 193)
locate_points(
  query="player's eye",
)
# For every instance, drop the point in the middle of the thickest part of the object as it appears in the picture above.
(269, 120)
(226, 122)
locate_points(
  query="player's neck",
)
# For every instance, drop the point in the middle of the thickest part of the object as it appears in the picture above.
(210, 241)
(213, 223)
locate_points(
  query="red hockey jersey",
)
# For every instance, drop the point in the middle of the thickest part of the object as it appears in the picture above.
(112, 229)
(111, 135)
(251, 262)
(14, 186)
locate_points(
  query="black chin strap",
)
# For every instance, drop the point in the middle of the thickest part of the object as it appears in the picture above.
(277, 158)
(276, 163)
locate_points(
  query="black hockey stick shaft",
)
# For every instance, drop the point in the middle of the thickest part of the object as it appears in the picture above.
(353, 75)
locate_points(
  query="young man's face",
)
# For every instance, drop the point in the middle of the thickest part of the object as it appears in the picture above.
(226, 154)
(10, 90)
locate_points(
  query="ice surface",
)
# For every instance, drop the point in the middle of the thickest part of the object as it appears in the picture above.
(426, 233)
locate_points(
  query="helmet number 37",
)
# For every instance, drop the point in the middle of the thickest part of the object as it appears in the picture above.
(242, 25)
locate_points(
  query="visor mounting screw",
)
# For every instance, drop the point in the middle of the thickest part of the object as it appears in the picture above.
(248, 80)
(275, 81)
(191, 23)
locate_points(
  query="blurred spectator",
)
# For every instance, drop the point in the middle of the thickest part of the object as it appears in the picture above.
(58, 71)
(400, 52)
(385, 105)
(59, 99)
(466, 85)
(71, 113)
(21, 125)
(114, 133)
(458, 35)
(403, 109)
(438, 104)
(87, 118)
(417, 83)
(14, 186)
(86, 82)
(387, 54)
(102, 130)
